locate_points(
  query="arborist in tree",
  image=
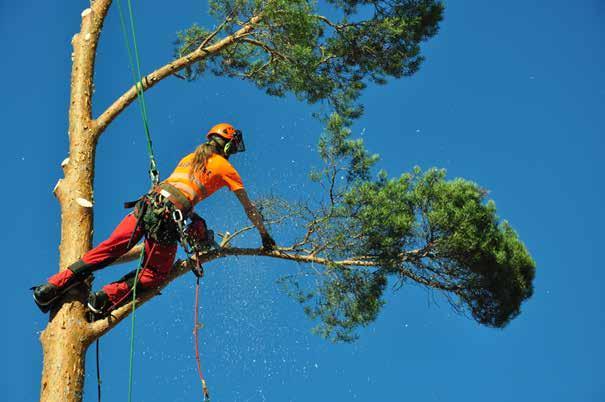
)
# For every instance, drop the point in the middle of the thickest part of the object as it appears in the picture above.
(160, 217)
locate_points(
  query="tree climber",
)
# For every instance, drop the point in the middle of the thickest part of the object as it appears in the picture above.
(159, 216)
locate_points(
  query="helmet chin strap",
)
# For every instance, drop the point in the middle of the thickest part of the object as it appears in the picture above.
(220, 145)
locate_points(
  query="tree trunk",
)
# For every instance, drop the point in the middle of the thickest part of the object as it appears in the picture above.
(68, 335)
(64, 343)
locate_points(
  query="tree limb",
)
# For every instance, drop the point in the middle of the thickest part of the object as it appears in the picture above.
(213, 34)
(228, 237)
(338, 27)
(180, 268)
(99, 328)
(167, 70)
(271, 51)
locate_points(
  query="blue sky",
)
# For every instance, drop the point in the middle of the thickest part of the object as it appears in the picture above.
(511, 96)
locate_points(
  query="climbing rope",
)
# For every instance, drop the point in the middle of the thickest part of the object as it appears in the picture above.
(133, 291)
(135, 67)
(98, 373)
(196, 327)
(136, 75)
(133, 316)
(153, 170)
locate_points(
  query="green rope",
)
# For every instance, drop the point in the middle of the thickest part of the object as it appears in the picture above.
(136, 75)
(132, 323)
(153, 172)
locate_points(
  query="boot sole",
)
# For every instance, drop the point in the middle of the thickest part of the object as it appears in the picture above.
(46, 307)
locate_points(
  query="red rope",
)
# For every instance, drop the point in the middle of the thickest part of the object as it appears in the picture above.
(196, 327)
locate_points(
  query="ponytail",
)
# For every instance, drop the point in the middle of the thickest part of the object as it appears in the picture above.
(200, 157)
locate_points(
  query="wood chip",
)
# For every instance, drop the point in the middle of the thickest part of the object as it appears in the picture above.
(84, 202)
(56, 186)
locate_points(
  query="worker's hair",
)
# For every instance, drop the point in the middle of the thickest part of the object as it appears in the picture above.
(200, 157)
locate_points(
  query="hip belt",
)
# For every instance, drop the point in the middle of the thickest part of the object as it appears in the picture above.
(173, 194)
(166, 191)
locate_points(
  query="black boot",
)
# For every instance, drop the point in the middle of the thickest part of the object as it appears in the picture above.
(99, 303)
(45, 296)
(48, 294)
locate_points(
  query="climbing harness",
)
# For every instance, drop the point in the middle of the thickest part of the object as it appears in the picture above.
(161, 213)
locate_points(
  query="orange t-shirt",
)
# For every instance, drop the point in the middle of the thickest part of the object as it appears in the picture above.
(218, 173)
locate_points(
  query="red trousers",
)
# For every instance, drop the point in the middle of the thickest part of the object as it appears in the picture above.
(155, 268)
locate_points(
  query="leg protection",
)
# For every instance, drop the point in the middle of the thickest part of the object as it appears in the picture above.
(157, 265)
(123, 237)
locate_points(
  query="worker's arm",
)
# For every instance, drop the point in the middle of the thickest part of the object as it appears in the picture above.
(256, 218)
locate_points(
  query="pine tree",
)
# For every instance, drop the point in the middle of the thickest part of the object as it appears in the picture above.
(366, 230)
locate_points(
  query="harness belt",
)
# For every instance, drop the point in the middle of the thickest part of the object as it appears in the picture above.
(174, 195)
(170, 193)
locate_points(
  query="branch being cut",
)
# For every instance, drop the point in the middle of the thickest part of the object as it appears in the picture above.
(228, 237)
(182, 267)
(99, 328)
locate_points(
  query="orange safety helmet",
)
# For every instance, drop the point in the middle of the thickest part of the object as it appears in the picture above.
(234, 137)
(224, 130)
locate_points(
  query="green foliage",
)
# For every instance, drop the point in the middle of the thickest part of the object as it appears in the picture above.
(466, 246)
(187, 41)
(382, 213)
(294, 49)
(341, 154)
(345, 300)
(421, 227)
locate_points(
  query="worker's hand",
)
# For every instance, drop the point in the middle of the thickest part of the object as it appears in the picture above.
(268, 242)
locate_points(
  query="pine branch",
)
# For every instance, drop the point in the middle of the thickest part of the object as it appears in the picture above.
(151, 79)
(99, 328)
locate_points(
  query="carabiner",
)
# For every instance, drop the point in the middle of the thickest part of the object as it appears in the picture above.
(177, 215)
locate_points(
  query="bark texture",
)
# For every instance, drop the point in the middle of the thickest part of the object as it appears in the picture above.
(66, 337)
